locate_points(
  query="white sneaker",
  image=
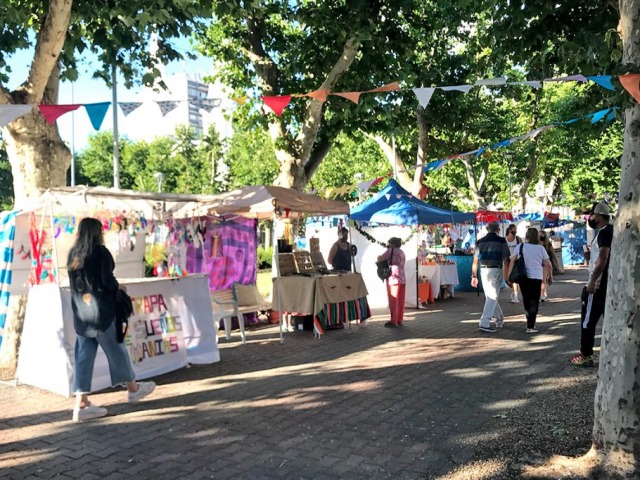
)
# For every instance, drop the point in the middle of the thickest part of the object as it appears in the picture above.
(543, 298)
(514, 299)
(144, 389)
(531, 330)
(88, 413)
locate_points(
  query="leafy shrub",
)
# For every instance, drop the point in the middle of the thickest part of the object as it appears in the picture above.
(264, 257)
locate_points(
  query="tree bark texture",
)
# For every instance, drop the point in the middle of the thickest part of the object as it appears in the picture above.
(616, 432)
(297, 157)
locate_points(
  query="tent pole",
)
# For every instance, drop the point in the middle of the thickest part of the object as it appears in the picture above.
(353, 258)
(276, 267)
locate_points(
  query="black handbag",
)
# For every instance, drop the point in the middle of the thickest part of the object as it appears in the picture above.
(384, 268)
(519, 271)
(124, 309)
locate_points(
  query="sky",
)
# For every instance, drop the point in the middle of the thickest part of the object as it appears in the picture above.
(75, 127)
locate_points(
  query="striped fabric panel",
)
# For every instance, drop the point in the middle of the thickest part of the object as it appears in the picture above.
(335, 314)
(7, 236)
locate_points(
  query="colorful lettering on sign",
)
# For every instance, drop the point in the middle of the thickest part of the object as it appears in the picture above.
(148, 304)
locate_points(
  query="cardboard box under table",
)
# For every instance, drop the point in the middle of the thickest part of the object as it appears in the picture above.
(172, 326)
(331, 299)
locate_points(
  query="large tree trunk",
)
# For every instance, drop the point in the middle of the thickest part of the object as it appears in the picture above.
(397, 165)
(38, 157)
(616, 431)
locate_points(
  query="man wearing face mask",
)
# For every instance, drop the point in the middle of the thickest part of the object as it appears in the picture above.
(594, 294)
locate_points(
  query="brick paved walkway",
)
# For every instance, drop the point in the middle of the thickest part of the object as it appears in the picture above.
(360, 403)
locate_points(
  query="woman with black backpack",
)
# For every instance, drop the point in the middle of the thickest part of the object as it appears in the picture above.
(93, 300)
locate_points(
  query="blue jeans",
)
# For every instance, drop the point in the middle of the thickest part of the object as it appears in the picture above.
(85, 356)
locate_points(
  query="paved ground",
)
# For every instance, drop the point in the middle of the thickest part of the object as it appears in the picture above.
(360, 403)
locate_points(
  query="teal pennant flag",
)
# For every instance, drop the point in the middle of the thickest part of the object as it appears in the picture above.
(97, 112)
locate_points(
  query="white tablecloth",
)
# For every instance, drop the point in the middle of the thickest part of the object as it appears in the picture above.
(439, 275)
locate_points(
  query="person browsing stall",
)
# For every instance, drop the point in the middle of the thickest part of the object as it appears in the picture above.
(538, 267)
(396, 283)
(93, 301)
(513, 240)
(492, 255)
(340, 253)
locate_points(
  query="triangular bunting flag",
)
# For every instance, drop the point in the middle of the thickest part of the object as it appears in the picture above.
(389, 87)
(596, 117)
(631, 84)
(472, 152)
(353, 96)
(387, 196)
(491, 82)
(240, 100)
(480, 151)
(167, 106)
(459, 88)
(8, 113)
(570, 78)
(603, 80)
(503, 143)
(424, 95)
(612, 114)
(207, 104)
(277, 103)
(128, 107)
(52, 112)
(96, 112)
(320, 95)
(532, 83)
(364, 187)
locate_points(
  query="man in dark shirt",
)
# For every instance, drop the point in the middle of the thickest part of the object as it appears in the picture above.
(594, 294)
(492, 253)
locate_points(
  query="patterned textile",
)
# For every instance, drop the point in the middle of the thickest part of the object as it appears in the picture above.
(334, 315)
(7, 236)
(228, 254)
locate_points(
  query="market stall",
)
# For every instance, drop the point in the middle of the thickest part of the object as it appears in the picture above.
(305, 290)
(393, 205)
(43, 233)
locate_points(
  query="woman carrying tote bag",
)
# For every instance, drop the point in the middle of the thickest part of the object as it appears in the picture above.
(538, 269)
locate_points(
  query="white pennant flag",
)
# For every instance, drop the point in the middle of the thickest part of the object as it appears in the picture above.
(571, 78)
(8, 113)
(532, 83)
(388, 196)
(363, 187)
(128, 107)
(491, 82)
(166, 106)
(424, 95)
(459, 88)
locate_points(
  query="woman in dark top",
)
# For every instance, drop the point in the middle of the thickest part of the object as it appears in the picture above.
(340, 253)
(93, 300)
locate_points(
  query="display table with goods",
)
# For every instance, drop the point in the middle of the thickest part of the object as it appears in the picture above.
(442, 274)
(333, 299)
(171, 327)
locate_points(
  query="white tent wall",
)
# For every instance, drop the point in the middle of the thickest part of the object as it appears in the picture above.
(365, 260)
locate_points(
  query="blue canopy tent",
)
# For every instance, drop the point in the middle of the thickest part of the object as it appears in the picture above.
(393, 205)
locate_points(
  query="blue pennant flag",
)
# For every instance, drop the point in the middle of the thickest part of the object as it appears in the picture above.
(480, 151)
(597, 116)
(603, 80)
(503, 143)
(97, 112)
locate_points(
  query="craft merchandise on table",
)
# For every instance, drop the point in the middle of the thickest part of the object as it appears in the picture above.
(439, 272)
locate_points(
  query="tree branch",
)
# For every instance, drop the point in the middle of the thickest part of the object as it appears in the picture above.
(50, 42)
(313, 116)
(398, 167)
(316, 157)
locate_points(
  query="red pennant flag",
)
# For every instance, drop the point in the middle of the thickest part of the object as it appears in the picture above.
(631, 83)
(277, 103)
(389, 87)
(320, 95)
(353, 96)
(52, 112)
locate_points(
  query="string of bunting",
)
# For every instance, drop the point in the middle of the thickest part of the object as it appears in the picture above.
(372, 239)
(277, 103)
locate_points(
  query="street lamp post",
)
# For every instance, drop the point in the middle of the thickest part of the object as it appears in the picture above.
(509, 157)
